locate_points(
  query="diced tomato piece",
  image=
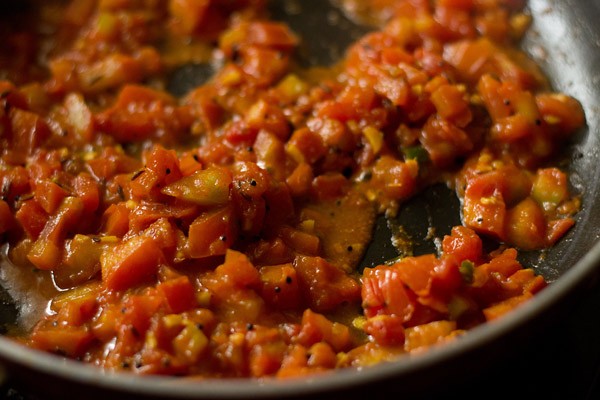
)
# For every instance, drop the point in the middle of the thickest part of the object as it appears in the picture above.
(557, 229)
(32, 218)
(79, 117)
(260, 33)
(451, 105)
(387, 330)
(271, 34)
(263, 115)
(300, 180)
(505, 264)
(463, 243)
(316, 328)
(29, 130)
(331, 185)
(109, 72)
(425, 335)
(324, 285)
(498, 310)
(383, 293)
(470, 58)
(189, 163)
(131, 263)
(550, 188)
(7, 220)
(263, 66)
(444, 141)
(446, 278)
(416, 272)
(116, 220)
(179, 294)
(561, 110)
(71, 341)
(484, 209)
(306, 146)
(47, 249)
(208, 187)
(136, 312)
(145, 214)
(280, 286)
(212, 233)
(49, 195)
(238, 271)
(397, 179)
(189, 14)
(527, 281)
(140, 113)
(526, 225)
(302, 242)
(87, 189)
(512, 128)
(202, 102)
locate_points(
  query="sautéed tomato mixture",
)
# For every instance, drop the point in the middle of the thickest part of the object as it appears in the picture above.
(220, 233)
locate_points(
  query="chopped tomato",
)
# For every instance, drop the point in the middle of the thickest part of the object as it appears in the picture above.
(131, 263)
(201, 200)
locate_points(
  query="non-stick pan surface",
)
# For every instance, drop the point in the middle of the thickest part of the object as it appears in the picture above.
(565, 40)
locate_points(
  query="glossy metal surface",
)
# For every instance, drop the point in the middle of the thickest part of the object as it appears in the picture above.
(565, 40)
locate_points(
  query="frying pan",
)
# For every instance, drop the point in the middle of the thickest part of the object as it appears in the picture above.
(565, 40)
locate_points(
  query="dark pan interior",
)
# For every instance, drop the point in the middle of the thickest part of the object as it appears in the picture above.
(565, 40)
